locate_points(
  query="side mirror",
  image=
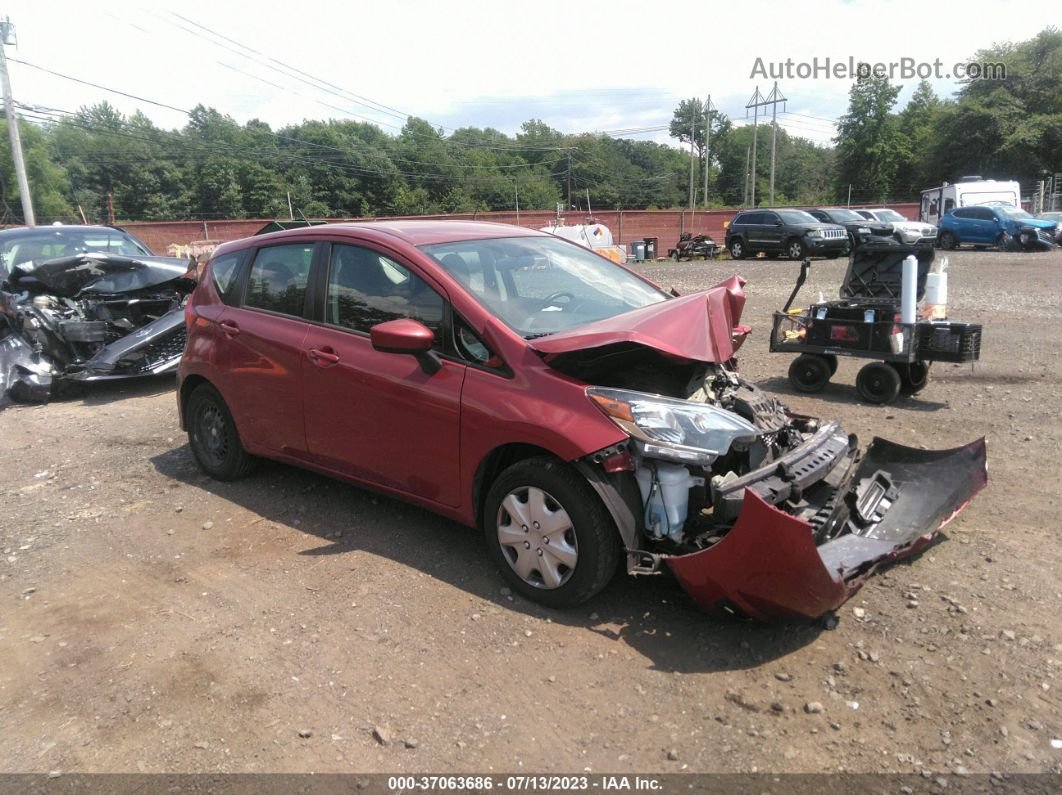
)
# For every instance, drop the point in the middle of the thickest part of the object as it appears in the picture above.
(406, 335)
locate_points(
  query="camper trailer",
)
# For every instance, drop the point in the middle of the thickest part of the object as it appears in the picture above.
(964, 193)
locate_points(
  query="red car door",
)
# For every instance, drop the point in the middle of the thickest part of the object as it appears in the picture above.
(259, 349)
(379, 417)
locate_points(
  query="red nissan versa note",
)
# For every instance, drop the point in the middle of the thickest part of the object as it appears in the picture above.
(577, 413)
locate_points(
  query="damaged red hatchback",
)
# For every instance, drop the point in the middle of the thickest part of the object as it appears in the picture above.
(578, 414)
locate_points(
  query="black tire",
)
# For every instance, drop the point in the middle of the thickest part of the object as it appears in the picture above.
(831, 360)
(809, 373)
(795, 248)
(947, 241)
(877, 382)
(584, 528)
(913, 377)
(737, 248)
(213, 437)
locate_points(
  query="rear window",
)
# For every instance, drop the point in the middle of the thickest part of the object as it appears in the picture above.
(278, 279)
(223, 271)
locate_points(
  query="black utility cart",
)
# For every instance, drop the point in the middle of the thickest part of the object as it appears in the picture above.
(866, 323)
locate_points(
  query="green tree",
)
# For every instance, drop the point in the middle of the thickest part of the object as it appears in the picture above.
(869, 145)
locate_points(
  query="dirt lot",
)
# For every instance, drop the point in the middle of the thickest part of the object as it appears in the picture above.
(154, 620)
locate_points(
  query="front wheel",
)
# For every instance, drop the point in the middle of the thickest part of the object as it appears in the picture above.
(213, 437)
(877, 382)
(795, 248)
(549, 533)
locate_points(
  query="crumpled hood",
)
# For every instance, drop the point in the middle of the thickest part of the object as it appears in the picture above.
(699, 327)
(68, 277)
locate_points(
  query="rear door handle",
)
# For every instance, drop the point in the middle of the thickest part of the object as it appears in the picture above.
(230, 328)
(323, 358)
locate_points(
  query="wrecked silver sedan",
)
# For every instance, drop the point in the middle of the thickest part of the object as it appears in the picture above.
(86, 303)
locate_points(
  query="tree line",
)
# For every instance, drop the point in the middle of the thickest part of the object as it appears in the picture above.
(98, 164)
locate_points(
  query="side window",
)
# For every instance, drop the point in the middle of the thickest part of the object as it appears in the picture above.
(961, 213)
(768, 218)
(366, 288)
(223, 271)
(278, 279)
(470, 347)
(948, 204)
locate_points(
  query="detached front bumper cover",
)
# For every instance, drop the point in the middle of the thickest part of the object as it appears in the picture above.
(769, 568)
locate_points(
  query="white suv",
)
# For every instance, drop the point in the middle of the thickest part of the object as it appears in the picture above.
(903, 230)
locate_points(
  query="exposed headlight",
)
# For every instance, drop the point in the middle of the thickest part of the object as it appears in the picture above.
(863, 230)
(816, 233)
(673, 430)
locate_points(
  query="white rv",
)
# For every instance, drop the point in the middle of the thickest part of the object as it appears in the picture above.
(964, 193)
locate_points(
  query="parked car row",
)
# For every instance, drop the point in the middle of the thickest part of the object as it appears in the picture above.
(828, 232)
(833, 231)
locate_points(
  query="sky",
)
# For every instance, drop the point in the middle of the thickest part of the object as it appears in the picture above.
(617, 67)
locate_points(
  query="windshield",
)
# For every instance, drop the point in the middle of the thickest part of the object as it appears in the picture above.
(1014, 212)
(845, 216)
(49, 242)
(797, 217)
(542, 285)
(889, 215)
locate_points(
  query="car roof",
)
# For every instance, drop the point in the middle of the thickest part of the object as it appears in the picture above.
(15, 231)
(412, 232)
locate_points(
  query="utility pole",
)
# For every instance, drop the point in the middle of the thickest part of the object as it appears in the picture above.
(7, 36)
(569, 178)
(756, 102)
(693, 141)
(745, 195)
(774, 98)
(707, 146)
(516, 186)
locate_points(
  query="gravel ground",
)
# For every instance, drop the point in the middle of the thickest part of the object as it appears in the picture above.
(154, 620)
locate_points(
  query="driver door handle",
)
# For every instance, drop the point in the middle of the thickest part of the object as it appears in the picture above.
(230, 328)
(323, 358)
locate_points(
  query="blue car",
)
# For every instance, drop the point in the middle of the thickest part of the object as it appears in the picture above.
(1002, 225)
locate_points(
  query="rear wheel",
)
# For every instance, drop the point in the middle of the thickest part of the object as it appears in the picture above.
(549, 533)
(947, 240)
(213, 437)
(913, 376)
(795, 248)
(877, 382)
(809, 373)
(737, 248)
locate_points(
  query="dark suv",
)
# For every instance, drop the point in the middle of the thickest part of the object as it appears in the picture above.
(856, 225)
(794, 233)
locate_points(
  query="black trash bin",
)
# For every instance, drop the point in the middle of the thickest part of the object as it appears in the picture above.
(651, 247)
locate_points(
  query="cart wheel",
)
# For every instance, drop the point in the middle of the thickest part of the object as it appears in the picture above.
(831, 360)
(809, 373)
(913, 376)
(877, 382)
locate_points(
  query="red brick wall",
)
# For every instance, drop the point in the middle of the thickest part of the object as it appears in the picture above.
(626, 225)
